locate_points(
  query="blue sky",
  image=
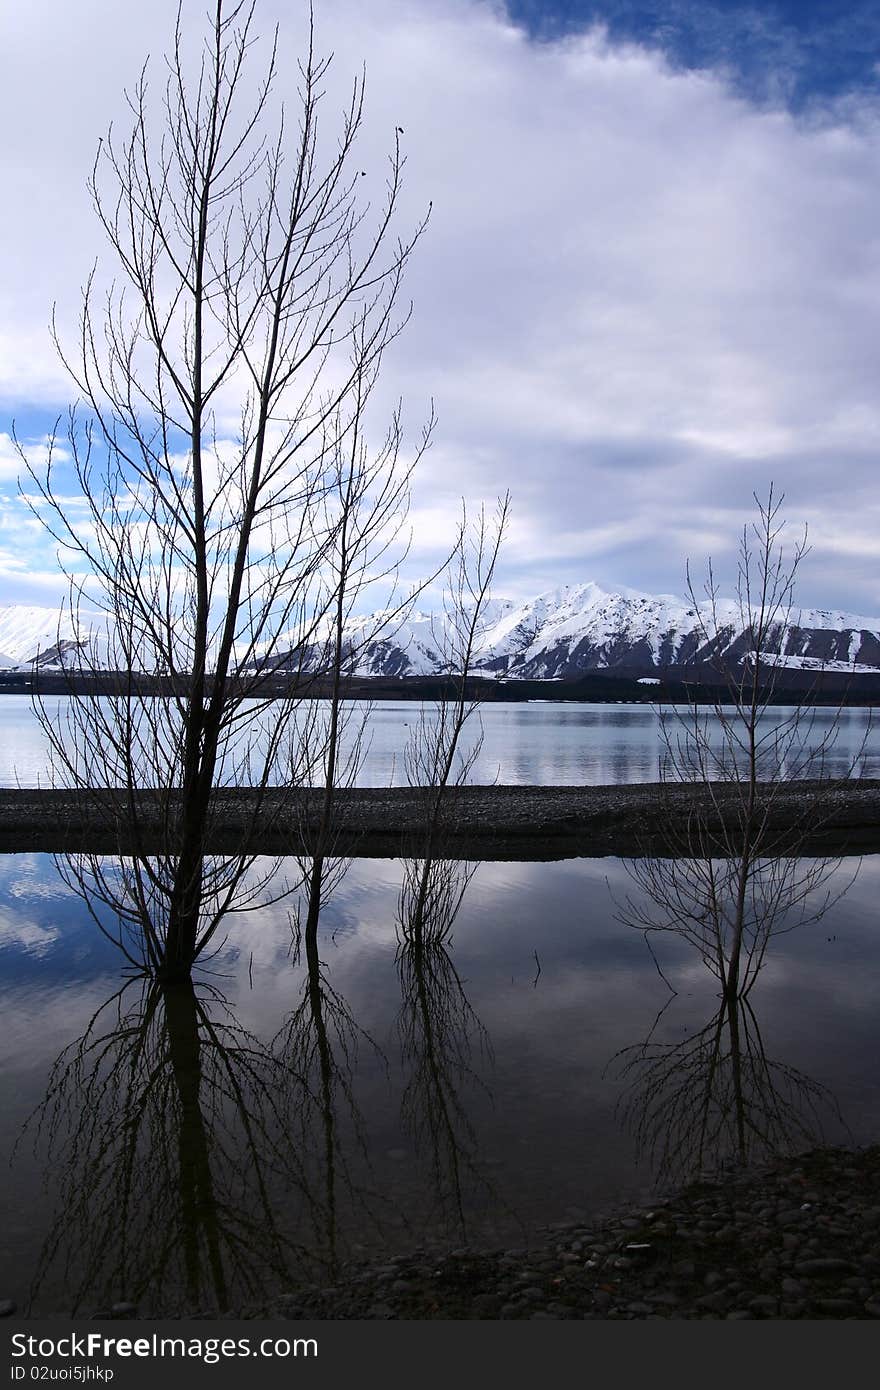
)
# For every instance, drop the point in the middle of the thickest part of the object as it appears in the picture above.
(794, 51)
(650, 285)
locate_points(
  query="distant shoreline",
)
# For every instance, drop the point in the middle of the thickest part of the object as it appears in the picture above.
(671, 685)
(479, 823)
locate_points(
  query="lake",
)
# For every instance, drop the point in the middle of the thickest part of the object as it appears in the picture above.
(540, 743)
(468, 1093)
(205, 1147)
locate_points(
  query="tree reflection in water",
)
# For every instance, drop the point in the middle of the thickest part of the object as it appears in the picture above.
(163, 1125)
(716, 1097)
(438, 1029)
(198, 1168)
(318, 1049)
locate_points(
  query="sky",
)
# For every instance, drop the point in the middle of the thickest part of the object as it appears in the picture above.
(649, 286)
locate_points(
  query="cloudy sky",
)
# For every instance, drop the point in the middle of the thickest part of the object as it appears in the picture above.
(650, 283)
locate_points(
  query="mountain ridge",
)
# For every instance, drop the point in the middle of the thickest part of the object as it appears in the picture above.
(559, 634)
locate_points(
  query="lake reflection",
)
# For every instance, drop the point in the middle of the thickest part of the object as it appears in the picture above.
(202, 1147)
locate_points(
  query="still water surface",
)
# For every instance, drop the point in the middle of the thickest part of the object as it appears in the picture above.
(206, 1147)
(539, 743)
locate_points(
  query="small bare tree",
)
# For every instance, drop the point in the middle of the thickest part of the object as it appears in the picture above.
(437, 1026)
(363, 512)
(733, 872)
(435, 758)
(233, 508)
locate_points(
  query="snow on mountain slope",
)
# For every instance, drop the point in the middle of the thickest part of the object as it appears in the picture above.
(562, 633)
(581, 628)
(27, 631)
(404, 647)
(813, 663)
(29, 635)
(566, 632)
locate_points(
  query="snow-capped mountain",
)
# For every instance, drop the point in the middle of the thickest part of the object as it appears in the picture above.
(570, 631)
(583, 628)
(30, 634)
(564, 633)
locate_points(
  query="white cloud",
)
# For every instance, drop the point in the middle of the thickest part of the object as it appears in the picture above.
(22, 933)
(15, 456)
(638, 296)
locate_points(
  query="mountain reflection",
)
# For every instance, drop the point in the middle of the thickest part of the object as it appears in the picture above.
(163, 1126)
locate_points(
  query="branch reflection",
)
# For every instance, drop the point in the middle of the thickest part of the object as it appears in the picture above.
(716, 1097)
(439, 1032)
(318, 1047)
(164, 1128)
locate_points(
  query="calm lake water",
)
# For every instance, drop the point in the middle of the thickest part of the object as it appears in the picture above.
(205, 1147)
(538, 743)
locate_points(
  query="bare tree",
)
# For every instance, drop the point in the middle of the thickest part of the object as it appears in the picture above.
(436, 759)
(733, 871)
(363, 511)
(233, 507)
(436, 1024)
(319, 1040)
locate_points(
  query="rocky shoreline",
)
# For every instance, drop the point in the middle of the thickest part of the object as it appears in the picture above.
(493, 823)
(796, 1238)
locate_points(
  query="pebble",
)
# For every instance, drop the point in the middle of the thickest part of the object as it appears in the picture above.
(788, 1239)
(829, 1266)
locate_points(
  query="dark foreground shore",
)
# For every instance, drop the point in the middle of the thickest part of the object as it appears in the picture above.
(477, 823)
(799, 1238)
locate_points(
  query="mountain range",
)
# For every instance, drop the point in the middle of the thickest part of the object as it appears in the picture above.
(562, 634)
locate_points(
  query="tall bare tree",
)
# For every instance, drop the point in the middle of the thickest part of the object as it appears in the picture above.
(233, 507)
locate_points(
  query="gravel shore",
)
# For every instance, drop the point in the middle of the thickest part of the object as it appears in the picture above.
(494, 823)
(798, 1238)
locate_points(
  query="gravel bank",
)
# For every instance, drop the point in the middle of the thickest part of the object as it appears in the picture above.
(478, 822)
(798, 1238)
